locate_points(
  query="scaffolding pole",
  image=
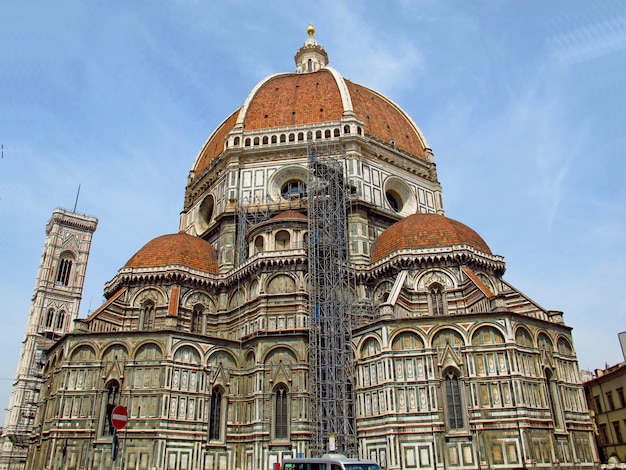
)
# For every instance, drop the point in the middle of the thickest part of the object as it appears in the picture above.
(330, 303)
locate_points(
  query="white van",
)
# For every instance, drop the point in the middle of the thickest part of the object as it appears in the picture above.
(328, 462)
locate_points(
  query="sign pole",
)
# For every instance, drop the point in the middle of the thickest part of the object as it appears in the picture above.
(119, 418)
(113, 448)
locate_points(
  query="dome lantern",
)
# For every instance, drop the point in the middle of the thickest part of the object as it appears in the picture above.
(311, 56)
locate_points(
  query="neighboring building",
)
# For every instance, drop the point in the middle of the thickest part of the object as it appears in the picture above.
(55, 304)
(606, 399)
(315, 298)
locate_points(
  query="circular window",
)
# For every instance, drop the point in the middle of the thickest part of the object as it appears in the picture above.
(205, 212)
(288, 183)
(399, 196)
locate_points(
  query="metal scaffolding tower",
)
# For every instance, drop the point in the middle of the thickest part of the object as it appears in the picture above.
(249, 214)
(253, 212)
(330, 303)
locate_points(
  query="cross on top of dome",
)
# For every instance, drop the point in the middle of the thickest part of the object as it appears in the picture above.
(311, 56)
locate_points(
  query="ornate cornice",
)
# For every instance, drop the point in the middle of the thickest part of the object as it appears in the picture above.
(459, 255)
(185, 276)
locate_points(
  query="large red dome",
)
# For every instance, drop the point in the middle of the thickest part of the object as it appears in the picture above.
(298, 99)
(420, 231)
(178, 248)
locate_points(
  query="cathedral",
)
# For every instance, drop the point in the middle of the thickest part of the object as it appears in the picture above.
(315, 299)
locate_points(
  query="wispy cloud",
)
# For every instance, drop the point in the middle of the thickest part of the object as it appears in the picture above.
(581, 40)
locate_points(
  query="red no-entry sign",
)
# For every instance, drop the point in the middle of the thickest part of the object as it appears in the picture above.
(119, 417)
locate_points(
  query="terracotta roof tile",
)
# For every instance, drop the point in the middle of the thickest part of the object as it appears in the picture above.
(290, 214)
(311, 98)
(294, 99)
(420, 231)
(215, 144)
(478, 282)
(383, 119)
(179, 248)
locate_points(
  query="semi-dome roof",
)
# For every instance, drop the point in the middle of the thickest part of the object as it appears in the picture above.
(420, 231)
(318, 96)
(178, 248)
(290, 215)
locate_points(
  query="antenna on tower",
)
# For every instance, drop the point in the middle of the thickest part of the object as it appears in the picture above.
(77, 194)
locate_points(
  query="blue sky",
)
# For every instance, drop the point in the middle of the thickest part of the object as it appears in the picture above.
(522, 102)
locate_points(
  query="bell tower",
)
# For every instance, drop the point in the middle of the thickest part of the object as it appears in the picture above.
(55, 303)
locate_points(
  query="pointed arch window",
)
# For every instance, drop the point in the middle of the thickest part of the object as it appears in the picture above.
(215, 416)
(196, 318)
(454, 402)
(49, 318)
(110, 400)
(60, 320)
(553, 399)
(437, 299)
(148, 315)
(281, 413)
(63, 271)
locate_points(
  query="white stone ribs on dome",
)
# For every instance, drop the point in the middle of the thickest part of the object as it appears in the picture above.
(202, 150)
(246, 104)
(346, 99)
(418, 131)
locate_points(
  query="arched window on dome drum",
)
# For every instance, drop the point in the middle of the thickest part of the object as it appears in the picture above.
(281, 413)
(236, 141)
(63, 272)
(265, 140)
(318, 134)
(346, 129)
(274, 139)
(292, 137)
(148, 314)
(283, 138)
(247, 142)
(454, 402)
(327, 134)
(336, 133)
(359, 130)
(258, 244)
(436, 299)
(215, 415)
(309, 135)
(300, 136)
(256, 141)
(196, 318)
(282, 240)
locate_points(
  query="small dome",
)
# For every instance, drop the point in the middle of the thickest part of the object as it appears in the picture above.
(178, 248)
(290, 215)
(419, 231)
